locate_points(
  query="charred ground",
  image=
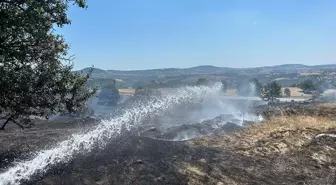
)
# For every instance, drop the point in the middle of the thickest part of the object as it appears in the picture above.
(295, 146)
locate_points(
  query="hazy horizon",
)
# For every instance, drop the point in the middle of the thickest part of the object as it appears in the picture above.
(204, 65)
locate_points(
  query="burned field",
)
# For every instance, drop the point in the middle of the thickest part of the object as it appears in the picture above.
(294, 145)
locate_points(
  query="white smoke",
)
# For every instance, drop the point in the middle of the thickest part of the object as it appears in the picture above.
(83, 143)
(196, 119)
(238, 107)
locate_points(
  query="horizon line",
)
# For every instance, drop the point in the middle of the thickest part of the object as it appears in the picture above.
(305, 65)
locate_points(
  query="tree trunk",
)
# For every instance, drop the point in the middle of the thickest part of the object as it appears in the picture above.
(6, 122)
(18, 124)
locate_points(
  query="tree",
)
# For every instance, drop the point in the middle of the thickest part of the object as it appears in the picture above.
(287, 92)
(307, 86)
(202, 81)
(36, 76)
(271, 91)
(224, 86)
(109, 95)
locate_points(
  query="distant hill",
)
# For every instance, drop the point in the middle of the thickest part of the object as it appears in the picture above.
(288, 73)
(208, 69)
(95, 70)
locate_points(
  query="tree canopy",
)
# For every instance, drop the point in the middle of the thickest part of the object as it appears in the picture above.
(287, 92)
(311, 87)
(36, 76)
(307, 86)
(271, 91)
(202, 81)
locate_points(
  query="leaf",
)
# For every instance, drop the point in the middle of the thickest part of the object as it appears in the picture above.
(33, 77)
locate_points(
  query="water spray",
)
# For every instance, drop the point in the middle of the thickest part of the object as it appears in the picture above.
(83, 143)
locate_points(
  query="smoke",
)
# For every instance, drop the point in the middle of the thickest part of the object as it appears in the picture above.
(214, 114)
(238, 107)
(188, 121)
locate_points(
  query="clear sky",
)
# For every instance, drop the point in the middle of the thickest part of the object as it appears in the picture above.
(142, 34)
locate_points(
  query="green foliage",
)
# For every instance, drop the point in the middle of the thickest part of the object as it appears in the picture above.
(287, 92)
(271, 91)
(307, 86)
(313, 87)
(109, 95)
(224, 86)
(202, 81)
(34, 76)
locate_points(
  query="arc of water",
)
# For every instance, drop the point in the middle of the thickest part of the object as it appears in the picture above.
(83, 143)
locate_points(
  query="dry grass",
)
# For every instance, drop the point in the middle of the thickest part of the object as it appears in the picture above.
(286, 146)
(277, 79)
(292, 148)
(277, 135)
(231, 91)
(296, 92)
(310, 73)
(327, 106)
(126, 91)
(194, 169)
(196, 175)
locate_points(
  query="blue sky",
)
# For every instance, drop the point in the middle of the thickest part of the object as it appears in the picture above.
(142, 34)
